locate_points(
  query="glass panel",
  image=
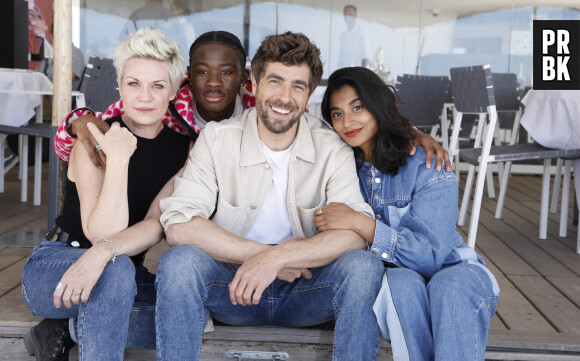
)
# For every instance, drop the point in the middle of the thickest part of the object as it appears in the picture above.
(391, 37)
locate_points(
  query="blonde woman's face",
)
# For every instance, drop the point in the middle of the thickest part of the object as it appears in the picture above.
(146, 91)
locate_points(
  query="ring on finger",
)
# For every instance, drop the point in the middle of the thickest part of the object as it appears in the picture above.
(98, 148)
(76, 294)
(319, 211)
(60, 286)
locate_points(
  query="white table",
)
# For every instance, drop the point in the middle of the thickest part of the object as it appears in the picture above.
(21, 94)
(552, 118)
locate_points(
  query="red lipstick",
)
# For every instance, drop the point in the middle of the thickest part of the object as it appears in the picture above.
(352, 133)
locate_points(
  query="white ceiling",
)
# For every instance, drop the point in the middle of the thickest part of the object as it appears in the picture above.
(394, 13)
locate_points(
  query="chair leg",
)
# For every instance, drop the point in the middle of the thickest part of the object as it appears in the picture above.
(503, 185)
(466, 195)
(565, 199)
(544, 202)
(453, 143)
(477, 198)
(556, 188)
(490, 184)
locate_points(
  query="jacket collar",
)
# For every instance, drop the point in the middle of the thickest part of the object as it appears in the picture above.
(251, 147)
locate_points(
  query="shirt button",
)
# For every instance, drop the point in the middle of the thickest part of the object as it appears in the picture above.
(253, 206)
(266, 166)
(377, 180)
(378, 216)
(384, 255)
(370, 180)
(375, 250)
(375, 196)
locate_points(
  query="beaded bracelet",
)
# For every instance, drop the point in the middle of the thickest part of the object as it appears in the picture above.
(113, 248)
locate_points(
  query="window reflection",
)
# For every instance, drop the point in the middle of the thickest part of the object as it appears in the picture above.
(390, 37)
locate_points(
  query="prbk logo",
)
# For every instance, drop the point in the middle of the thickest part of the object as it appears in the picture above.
(557, 54)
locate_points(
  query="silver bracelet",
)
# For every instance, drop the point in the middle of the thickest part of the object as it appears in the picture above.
(113, 248)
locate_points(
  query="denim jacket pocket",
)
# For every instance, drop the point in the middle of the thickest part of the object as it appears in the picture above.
(306, 218)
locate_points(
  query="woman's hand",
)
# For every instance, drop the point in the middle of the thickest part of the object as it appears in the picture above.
(431, 146)
(78, 281)
(341, 216)
(335, 216)
(118, 143)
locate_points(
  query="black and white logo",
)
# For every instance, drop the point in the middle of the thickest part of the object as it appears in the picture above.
(557, 54)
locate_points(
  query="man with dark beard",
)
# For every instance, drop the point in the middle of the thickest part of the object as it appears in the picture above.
(245, 248)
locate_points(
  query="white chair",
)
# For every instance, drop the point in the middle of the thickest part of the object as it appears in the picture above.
(475, 85)
(473, 93)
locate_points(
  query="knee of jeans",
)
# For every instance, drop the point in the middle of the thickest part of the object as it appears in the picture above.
(463, 281)
(179, 264)
(406, 281)
(121, 274)
(362, 268)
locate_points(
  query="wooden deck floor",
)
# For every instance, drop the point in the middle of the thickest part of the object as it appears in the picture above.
(538, 315)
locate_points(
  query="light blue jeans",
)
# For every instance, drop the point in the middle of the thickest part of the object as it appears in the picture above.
(120, 311)
(191, 286)
(443, 318)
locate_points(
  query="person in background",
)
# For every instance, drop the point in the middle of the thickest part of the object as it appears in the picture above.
(87, 277)
(181, 10)
(351, 40)
(437, 296)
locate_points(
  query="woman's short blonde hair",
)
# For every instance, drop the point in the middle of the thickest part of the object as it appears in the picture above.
(151, 44)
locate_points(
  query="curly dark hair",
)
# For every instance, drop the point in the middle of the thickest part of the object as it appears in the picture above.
(290, 49)
(220, 37)
(391, 142)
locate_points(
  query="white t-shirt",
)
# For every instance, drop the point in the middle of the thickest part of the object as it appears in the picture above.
(272, 226)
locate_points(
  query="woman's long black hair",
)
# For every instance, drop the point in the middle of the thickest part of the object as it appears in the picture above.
(391, 143)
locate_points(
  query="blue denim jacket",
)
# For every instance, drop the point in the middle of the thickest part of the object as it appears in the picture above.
(416, 213)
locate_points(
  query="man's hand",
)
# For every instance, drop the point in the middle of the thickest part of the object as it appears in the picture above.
(79, 128)
(292, 274)
(431, 146)
(252, 278)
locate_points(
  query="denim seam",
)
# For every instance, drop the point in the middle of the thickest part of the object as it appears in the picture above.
(315, 287)
(435, 180)
(27, 300)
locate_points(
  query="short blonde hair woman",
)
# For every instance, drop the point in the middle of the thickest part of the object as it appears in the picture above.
(87, 278)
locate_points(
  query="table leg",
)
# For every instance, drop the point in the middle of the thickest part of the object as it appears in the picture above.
(24, 169)
(37, 170)
(544, 201)
(2, 138)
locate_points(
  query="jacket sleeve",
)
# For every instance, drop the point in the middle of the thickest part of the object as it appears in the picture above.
(424, 233)
(343, 184)
(64, 141)
(195, 191)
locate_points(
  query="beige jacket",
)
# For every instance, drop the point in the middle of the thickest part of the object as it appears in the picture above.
(227, 176)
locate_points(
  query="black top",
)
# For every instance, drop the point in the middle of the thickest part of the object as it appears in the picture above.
(152, 164)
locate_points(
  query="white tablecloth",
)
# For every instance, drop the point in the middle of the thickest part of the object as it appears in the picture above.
(552, 117)
(16, 106)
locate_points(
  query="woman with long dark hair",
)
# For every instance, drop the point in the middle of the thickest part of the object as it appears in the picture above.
(437, 296)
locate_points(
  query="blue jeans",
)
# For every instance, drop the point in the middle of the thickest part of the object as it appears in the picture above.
(120, 311)
(443, 318)
(191, 286)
